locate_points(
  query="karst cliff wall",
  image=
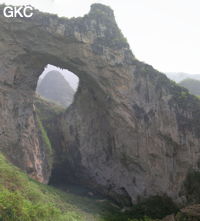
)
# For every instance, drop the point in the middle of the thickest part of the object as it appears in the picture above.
(130, 131)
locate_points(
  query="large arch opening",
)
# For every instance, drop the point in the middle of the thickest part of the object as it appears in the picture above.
(57, 85)
(54, 93)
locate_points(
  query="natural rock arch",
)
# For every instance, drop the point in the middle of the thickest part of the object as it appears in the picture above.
(128, 132)
(76, 44)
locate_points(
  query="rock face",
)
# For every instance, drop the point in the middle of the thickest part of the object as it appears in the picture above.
(130, 131)
(20, 134)
(55, 88)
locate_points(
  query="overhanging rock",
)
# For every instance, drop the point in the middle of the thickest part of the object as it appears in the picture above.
(130, 132)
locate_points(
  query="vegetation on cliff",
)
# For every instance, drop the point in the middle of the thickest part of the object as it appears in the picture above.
(45, 142)
(113, 36)
(47, 109)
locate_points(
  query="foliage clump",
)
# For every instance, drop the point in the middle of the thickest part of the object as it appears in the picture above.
(155, 207)
(15, 207)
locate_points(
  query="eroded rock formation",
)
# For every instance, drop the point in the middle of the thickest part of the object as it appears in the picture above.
(129, 133)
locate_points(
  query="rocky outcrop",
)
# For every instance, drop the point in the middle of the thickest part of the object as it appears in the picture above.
(130, 132)
(55, 88)
(20, 134)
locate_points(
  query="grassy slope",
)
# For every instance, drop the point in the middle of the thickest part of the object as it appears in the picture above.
(20, 195)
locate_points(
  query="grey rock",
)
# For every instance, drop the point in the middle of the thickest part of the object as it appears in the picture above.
(130, 132)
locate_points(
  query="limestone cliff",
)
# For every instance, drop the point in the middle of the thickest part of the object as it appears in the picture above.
(130, 132)
(21, 137)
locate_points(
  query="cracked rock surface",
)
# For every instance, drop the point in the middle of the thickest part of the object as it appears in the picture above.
(130, 131)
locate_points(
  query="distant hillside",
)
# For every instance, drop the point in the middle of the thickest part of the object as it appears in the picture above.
(70, 77)
(179, 76)
(55, 88)
(192, 85)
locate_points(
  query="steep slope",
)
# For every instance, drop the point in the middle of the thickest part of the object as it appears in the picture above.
(49, 114)
(55, 88)
(192, 85)
(130, 133)
(139, 144)
(154, 207)
(22, 199)
(21, 137)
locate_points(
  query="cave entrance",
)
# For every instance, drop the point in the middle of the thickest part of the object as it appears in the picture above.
(55, 91)
(57, 85)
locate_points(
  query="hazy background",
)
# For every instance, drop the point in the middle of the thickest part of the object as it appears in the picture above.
(165, 34)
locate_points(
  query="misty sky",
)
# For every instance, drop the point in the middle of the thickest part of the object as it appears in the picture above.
(163, 33)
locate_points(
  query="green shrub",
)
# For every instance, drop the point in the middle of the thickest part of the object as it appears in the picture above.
(155, 207)
(14, 207)
(184, 94)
